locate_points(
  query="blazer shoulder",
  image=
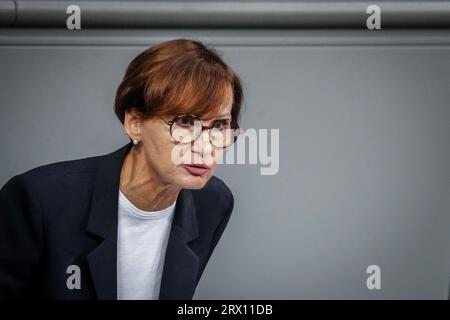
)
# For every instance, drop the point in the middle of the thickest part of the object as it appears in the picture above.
(87, 165)
(53, 174)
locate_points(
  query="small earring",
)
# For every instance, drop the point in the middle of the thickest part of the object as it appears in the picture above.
(135, 142)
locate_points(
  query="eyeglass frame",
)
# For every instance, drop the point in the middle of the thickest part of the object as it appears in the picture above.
(210, 127)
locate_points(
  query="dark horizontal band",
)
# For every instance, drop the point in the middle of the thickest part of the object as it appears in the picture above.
(142, 38)
(225, 14)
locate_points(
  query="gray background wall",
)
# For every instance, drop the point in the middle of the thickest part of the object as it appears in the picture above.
(364, 121)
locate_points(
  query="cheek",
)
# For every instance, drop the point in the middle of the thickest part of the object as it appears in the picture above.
(171, 156)
(218, 155)
(159, 155)
(163, 150)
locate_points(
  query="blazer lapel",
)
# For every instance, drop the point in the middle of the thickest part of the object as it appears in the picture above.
(181, 264)
(102, 222)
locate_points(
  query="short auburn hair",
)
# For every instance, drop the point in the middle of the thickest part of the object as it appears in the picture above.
(176, 77)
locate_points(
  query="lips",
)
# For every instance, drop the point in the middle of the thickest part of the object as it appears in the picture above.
(196, 169)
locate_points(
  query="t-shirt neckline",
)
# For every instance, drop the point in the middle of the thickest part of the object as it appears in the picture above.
(142, 214)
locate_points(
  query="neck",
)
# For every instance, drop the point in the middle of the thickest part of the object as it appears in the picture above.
(142, 186)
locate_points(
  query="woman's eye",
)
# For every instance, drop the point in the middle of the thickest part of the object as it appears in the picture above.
(221, 124)
(185, 121)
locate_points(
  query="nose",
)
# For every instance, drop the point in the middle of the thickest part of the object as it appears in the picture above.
(202, 145)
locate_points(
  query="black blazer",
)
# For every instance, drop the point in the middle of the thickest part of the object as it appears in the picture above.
(65, 213)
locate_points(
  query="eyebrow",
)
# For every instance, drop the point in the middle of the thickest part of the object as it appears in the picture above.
(219, 117)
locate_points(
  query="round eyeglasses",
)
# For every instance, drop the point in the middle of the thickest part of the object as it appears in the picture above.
(187, 128)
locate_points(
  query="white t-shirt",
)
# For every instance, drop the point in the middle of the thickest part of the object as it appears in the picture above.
(141, 246)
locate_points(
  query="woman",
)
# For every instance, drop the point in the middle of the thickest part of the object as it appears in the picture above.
(140, 222)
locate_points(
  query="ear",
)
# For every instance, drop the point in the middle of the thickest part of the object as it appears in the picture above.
(133, 124)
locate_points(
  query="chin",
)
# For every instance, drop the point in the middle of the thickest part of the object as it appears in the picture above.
(194, 182)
